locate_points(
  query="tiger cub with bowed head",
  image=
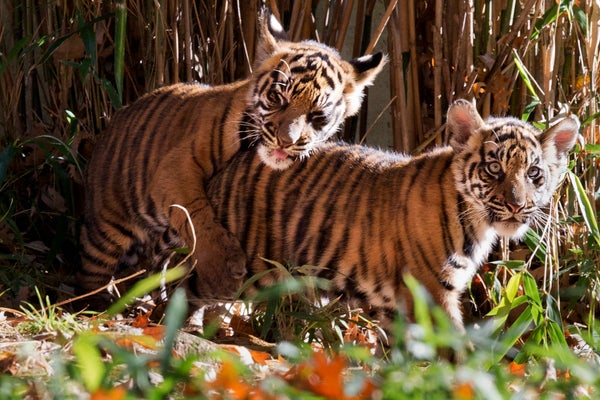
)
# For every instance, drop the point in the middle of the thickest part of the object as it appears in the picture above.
(370, 217)
(161, 150)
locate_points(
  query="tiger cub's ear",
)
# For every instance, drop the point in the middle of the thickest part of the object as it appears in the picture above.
(270, 32)
(561, 137)
(365, 70)
(462, 121)
(367, 67)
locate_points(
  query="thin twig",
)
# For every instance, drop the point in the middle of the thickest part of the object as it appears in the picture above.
(96, 291)
(381, 26)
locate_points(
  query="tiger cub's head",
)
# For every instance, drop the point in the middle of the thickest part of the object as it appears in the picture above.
(302, 92)
(506, 169)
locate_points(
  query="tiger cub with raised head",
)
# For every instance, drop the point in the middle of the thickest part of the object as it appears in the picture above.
(161, 150)
(369, 217)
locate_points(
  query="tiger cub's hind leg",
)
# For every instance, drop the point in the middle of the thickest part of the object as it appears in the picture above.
(104, 248)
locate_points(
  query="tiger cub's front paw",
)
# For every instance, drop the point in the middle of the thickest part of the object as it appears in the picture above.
(221, 266)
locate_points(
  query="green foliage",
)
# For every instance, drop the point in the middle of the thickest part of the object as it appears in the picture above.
(296, 307)
(145, 286)
(48, 319)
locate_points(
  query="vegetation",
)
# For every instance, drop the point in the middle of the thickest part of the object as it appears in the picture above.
(65, 67)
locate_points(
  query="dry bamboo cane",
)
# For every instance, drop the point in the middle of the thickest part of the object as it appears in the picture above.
(437, 68)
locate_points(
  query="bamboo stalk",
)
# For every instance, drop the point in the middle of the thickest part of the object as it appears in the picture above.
(437, 68)
(414, 73)
(384, 21)
(399, 117)
(343, 29)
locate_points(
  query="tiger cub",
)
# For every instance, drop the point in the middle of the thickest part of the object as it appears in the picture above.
(370, 217)
(160, 151)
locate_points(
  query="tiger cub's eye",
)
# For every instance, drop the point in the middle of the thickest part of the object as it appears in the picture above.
(276, 98)
(493, 168)
(317, 120)
(534, 172)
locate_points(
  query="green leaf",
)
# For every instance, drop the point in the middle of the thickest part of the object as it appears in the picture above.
(552, 310)
(16, 49)
(548, 18)
(581, 18)
(535, 243)
(586, 207)
(516, 330)
(515, 265)
(113, 95)
(175, 316)
(422, 301)
(525, 76)
(531, 289)
(144, 287)
(556, 334)
(89, 359)
(512, 287)
(593, 149)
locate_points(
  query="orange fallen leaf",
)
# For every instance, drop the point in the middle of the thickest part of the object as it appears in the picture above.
(155, 332)
(142, 320)
(260, 357)
(129, 341)
(517, 369)
(463, 391)
(325, 377)
(116, 393)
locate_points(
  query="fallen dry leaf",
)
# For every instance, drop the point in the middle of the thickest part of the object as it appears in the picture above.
(116, 393)
(463, 391)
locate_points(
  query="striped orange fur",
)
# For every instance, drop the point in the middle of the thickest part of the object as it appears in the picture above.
(161, 150)
(370, 217)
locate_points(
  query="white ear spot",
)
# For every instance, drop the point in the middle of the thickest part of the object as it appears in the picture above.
(275, 27)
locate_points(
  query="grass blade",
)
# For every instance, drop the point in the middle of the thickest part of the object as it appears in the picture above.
(586, 207)
(120, 33)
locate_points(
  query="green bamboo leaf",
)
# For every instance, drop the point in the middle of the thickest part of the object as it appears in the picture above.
(548, 18)
(13, 53)
(513, 287)
(113, 95)
(586, 207)
(535, 243)
(589, 119)
(525, 76)
(516, 330)
(552, 310)
(556, 334)
(593, 149)
(581, 17)
(88, 35)
(531, 289)
(514, 265)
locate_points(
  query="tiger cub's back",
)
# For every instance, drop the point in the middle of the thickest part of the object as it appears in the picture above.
(370, 216)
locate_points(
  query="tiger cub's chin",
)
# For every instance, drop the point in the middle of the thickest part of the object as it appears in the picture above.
(277, 159)
(511, 229)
